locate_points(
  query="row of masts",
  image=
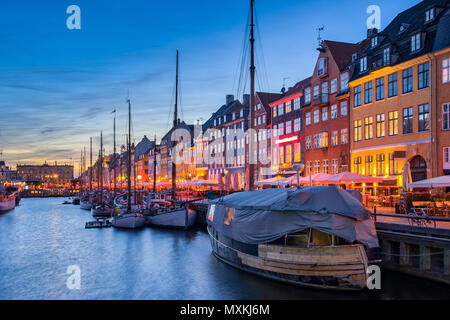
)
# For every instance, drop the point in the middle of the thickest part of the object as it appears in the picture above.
(175, 124)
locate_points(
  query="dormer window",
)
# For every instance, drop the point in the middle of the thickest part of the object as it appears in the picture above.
(415, 42)
(374, 42)
(387, 56)
(354, 57)
(429, 15)
(363, 64)
(321, 67)
(403, 27)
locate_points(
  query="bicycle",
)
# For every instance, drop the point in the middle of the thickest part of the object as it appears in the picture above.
(423, 213)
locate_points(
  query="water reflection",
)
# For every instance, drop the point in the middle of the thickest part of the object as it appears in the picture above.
(41, 238)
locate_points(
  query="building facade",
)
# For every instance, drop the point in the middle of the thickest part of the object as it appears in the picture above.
(52, 174)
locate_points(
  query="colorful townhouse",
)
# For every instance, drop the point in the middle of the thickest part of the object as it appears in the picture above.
(393, 111)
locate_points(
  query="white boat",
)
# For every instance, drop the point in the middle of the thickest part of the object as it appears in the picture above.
(128, 220)
(85, 204)
(178, 218)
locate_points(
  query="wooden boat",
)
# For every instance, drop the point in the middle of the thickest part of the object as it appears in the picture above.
(318, 236)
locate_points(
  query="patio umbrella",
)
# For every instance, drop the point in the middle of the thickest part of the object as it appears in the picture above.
(269, 182)
(438, 182)
(315, 178)
(348, 178)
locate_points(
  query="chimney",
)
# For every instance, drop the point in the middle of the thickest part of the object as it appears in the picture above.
(371, 32)
(246, 100)
(230, 98)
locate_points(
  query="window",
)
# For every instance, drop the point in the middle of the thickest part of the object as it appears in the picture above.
(275, 131)
(380, 164)
(387, 56)
(392, 85)
(296, 103)
(288, 106)
(325, 91)
(407, 80)
(429, 15)
(316, 116)
(381, 128)
(357, 165)
(344, 82)
(333, 85)
(446, 70)
(357, 131)
(368, 92)
(343, 108)
(423, 75)
(374, 42)
(321, 67)
(380, 88)
(289, 154)
(288, 127)
(325, 114)
(281, 109)
(363, 65)
(308, 143)
(334, 166)
(446, 154)
(263, 119)
(334, 111)
(446, 116)
(415, 42)
(357, 96)
(316, 141)
(344, 136)
(316, 166)
(393, 165)
(325, 166)
(280, 155)
(393, 123)
(368, 128)
(308, 118)
(297, 153)
(281, 129)
(424, 112)
(369, 165)
(334, 138)
(308, 168)
(316, 92)
(274, 112)
(407, 120)
(307, 95)
(297, 125)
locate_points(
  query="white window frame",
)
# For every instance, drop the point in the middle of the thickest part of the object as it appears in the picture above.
(446, 71)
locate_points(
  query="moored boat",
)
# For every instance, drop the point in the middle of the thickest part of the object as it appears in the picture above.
(173, 218)
(317, 236)
(7, 200)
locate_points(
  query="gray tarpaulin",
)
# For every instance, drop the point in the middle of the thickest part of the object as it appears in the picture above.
(263, 216)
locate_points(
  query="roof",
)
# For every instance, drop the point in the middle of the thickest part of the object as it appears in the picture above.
(342, 51)
(266, 98)
(223, 110)
(297, 88)
(143, 147)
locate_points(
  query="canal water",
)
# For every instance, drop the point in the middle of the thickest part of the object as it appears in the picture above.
(41, 238)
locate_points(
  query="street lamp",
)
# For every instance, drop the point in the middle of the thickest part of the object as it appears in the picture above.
(299, 167)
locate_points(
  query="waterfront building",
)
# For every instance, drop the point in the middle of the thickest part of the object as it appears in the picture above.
(141, 156)
(262, 125)
(7, 174)
(393, 111)
(51, 174)
(226, 144)
(286, 128)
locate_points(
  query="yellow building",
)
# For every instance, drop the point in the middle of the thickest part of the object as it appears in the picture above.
(392, 97)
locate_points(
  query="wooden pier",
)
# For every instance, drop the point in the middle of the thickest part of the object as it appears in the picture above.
(98, 224)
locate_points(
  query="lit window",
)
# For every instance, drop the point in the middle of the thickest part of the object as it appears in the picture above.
(381, 128)
(393, 123)
(357, 130)
(344, 136)
(368, 128)
(288, 106)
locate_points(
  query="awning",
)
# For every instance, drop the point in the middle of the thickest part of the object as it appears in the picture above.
(438, 182)
(348, 178)
(275, 181)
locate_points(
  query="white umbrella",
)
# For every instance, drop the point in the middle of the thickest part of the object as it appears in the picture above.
(438, 182)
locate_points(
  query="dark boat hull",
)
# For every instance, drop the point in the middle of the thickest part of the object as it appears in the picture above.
(338, 268)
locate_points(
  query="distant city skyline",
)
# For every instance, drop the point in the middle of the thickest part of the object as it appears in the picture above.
(59, 86)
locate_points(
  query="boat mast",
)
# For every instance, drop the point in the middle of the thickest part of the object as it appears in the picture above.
(81, 173)
(101, 167)
(129, 158)
(90, 172)
(154, 167)
(175, 123)
(252, 99)
(114, 155)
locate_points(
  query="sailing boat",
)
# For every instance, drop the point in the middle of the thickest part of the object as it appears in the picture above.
(7, 200)
(177, 216)
(131, 217)
(86, 201)
(101, 210)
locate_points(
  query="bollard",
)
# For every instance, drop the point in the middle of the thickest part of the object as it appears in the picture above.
(375, 213)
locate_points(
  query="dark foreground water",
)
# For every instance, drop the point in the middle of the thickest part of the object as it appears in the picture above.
(41, 238)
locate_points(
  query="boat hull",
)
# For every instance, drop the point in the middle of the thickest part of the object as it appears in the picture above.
(174, 219)
(129, 221)
(339, 267)
(100, 212)
(85, 205)
(7, 204)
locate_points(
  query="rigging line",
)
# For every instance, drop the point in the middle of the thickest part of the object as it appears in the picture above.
(264, 74)
(238, 72)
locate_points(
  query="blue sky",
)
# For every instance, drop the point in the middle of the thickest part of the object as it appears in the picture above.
(58, 86)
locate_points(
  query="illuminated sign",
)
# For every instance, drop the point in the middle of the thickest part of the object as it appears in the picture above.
(288, 139)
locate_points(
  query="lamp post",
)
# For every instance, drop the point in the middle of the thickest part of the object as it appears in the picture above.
(299, 167)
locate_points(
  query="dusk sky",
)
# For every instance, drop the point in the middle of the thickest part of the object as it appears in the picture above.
(59, 86)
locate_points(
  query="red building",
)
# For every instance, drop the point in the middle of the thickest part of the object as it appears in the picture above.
(326, 110)
(287, 128)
